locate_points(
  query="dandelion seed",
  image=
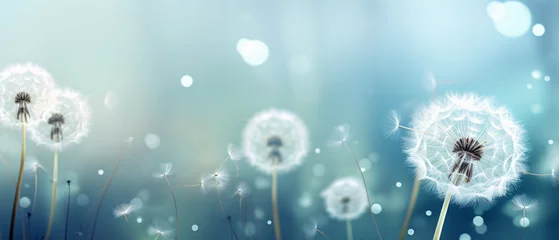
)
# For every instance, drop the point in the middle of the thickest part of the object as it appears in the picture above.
(311, 229)
(339, 135)
(160, 230)
(524, 203)
(466, 148)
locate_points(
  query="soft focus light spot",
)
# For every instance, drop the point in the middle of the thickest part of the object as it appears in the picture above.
(317, 150)
(269, 222)
(365, 163)
(516, 22)
(537, 108)
(481, 229)
(137, 203)
(139, 220)
(524, 222)
(82, 199)
(376, 208)
(411, 231)
(428, 213)
(305, 201)
(24, 202)
(194, 228)
(186, 81)
(496, 10)
(478, 221)
(363, 169)
(538, 30)
(529, 86)
(259, 213)
(550, 142)
(111, 100)
(171, 219)
(546, 78)
(536, 74)
(253, 52)
(465, 236)
(144, 195)
(26, 185)
(318, 170)
(100, 172)
(152, 141)
(398, 184)
(261, 183)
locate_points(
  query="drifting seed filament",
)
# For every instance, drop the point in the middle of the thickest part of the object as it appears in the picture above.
(56, 120)
(23, 99)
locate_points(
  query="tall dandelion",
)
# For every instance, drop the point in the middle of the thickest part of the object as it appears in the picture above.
(164, 171)
(25, 93)
(339, 138)
(275, 141)
(524, 203)
(160, 230)
(346, 200)
(466, 148)
(124, 210)
(64, 125)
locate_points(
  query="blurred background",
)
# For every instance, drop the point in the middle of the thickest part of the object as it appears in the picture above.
(183, 77)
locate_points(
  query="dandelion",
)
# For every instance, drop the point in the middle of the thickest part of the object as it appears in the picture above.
(235, 153)
(160, 229)
(275, 141)
(124, 210)
(524, 203)
(466, 148)
(339, 138)
(66, 124)
(242, 192)
(33, 166)
(219, 178)
(232, 229)
(25, 93)
(165, 170)
(345, 200)
(202, 185)
(311, 229)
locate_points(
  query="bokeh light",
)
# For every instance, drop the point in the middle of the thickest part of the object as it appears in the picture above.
(538, 30)
(186, 81)
(516, 20)
(24, 202)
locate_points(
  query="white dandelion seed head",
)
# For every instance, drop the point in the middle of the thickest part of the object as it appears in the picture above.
(161, 228)
(310, 229)
(242, 190)
(123, 210)
(218, 179)
(345, 198)
(31, 79)
(523, 202)
(234, 151)
(468, 135)
(77, 116)
(339, 135)
(164, 170)
(394, 124)
(275, 133)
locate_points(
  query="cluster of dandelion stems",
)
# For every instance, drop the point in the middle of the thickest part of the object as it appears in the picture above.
(22, 99)
(56, 121)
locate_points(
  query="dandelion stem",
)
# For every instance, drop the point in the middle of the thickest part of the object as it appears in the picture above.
(523, 225)
(19, 180)
(53, 203)
(322, 233)
(444, 209)
(34, 191)
(275, 199)
(231, 226)
(103, 193)
(223, 163)
(219, 196)
(193, 185)
(348, 229)
(176, 211)
(128, 226)
(157, 236)
(22, 224)
(411, 206)
(67, 211)
(366, 189)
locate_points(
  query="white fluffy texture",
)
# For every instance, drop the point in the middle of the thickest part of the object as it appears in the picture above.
(345, 188)
(160, 228)
(339, 135)
(77, 117)
(29, 78)
(234, 151)
(32, 165)
(523, 202)
(123, 210)
(218, 179)
(310, 230)
(275, 123)
(448, 119)
(164, 170)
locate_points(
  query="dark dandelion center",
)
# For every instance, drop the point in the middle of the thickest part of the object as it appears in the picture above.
(56, 120)
(275, 143)
(468, 151)
(22, 99)
(345, 201)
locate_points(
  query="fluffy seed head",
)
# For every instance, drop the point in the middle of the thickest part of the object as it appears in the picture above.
(469, 136)
(275, 134)
(161, 229)
(345, 198)
(164, 170)
(339, 135)
(523, 202)
(123, 210)
(235, 152)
